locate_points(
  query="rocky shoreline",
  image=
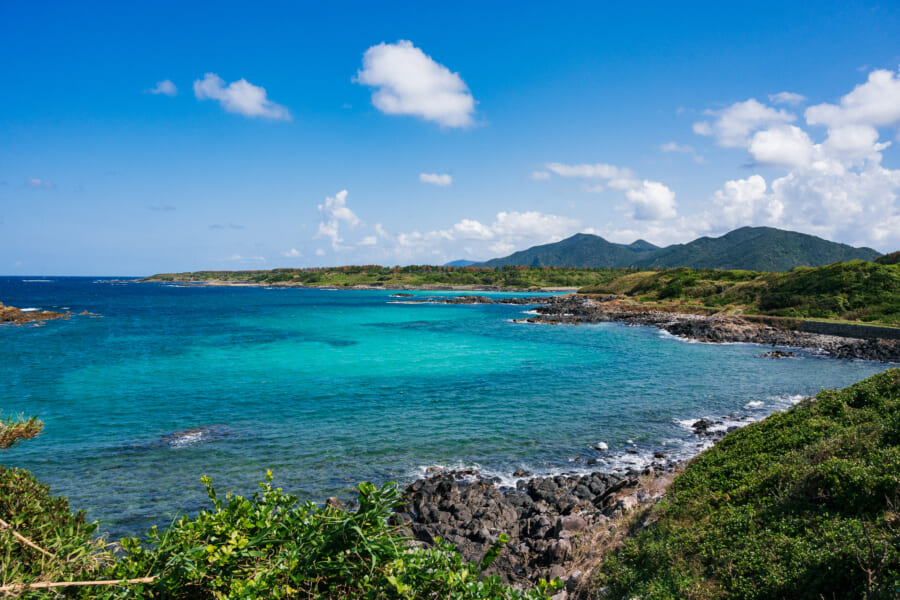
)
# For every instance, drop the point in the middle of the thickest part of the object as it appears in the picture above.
(718, 328)
(547, 519)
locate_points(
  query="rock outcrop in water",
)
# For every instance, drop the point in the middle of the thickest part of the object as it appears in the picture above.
(11, 314)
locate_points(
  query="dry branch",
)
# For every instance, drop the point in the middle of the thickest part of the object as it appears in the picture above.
(24, 540)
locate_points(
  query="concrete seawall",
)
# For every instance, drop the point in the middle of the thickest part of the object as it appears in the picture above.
(863, 332)
(849, 330)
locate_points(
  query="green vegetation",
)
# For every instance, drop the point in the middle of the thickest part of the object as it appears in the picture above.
(414, 275)
(14, 430)
(854, 291)
(805, 504)
(267, 546)
(273, 546)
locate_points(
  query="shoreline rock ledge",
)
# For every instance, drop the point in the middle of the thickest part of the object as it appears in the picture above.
(543, 516)
(11, 314)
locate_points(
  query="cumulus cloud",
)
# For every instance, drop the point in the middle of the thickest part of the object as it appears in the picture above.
(875, 102)
(409, 82)
(787, 147)
(334, 212)
(369, 240)
(241, 97)
(436, 179)
(292, 253)
(320, 252)
(647, 200)
(837, 187)
(743, 202)
(540, 175)
(164, 87)
(652, 201)
(508, 231)
(789, 98)
(733, 125)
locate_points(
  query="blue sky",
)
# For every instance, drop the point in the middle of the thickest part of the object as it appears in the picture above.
(145, 137)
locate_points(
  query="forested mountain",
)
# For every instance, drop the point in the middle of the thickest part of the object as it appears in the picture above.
(753, 248)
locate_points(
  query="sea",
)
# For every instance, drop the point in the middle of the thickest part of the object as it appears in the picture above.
(149, 386)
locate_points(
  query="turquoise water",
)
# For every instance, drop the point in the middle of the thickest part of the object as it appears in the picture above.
(327, 388)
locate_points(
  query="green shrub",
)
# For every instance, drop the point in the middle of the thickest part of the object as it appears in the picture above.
(46, 521)
(805, 504)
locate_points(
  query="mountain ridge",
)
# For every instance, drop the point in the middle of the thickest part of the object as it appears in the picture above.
(750, 248)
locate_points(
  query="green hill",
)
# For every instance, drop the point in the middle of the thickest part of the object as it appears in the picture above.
(752, 248)
(802, 505)
(582, 250)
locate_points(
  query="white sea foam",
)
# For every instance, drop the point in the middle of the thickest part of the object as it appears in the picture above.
(29, 309)
(187, 439)
(530, 312)
(666, 335)
(753, 404)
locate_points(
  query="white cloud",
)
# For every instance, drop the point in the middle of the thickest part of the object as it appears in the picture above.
(676, 147)
(164, 87)
(509, 230)
(292, 253)
(540, 175)
(436, 179)
(515, 225)
(40, 184)
(241, 97)
(369, 240)
(648, 200)
(246, 259)
(652, 201)
(786, 146)
(334, 212)
(734, 124)
(789, 98)
(875, 102)
(836, 188)
(595, 171)
(320, 252)
(670, 147)
(469, 229)
(409, 82)
(745, 202)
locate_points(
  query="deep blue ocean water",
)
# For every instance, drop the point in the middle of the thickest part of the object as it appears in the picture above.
(328, 388)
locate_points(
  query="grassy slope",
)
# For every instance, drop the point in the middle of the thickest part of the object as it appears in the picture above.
(805, 504)
(854, 291)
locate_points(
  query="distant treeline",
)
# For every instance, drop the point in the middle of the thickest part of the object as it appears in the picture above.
(412, 275)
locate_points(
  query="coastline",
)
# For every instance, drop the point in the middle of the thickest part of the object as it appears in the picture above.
(563, 525)
(716, 328)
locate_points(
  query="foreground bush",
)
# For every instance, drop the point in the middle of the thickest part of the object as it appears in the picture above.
(273, 546)
(267, 546)
(805, 504)
(58, 545)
